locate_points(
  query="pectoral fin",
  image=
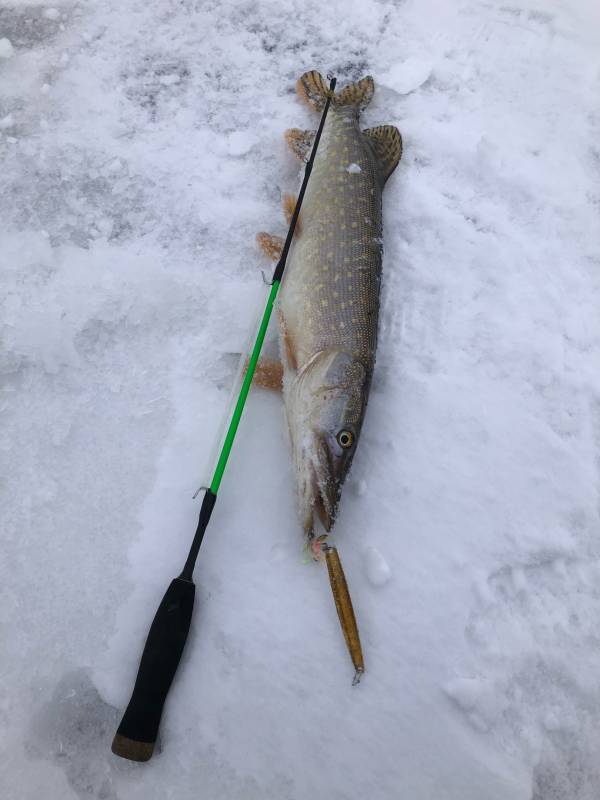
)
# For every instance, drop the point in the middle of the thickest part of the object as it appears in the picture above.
(268, 374)
(288, 344)
(386, 143)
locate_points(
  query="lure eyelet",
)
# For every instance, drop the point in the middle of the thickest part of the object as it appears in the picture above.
(345, 439)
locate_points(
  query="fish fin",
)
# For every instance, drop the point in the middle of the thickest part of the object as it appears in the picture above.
(268, 374)
(289, 351)
(357, 94)
(300, 142)
(312, 89)
(271, 246)
(289, 206)
(288, 347)
(386, 142)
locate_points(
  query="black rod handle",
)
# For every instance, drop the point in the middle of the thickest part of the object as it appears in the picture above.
(136, 735)
(208, 503)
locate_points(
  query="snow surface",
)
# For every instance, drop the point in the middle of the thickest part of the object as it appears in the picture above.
(6, 48)
(141, 149)
(376, 567)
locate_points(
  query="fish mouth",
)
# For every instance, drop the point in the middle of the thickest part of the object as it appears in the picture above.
(325, 484)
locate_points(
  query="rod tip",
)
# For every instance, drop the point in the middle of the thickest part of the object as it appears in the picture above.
(132, 750)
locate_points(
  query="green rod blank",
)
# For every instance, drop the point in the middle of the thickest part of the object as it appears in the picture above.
(241, 401)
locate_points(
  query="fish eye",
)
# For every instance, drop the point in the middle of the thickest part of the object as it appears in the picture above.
(345, 439)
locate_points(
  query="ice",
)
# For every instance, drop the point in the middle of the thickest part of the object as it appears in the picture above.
(142, 149)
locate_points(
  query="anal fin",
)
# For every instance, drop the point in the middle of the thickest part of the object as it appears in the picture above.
(300, 142)
(386, 143)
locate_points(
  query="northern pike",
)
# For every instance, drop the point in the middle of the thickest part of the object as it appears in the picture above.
(328, 304)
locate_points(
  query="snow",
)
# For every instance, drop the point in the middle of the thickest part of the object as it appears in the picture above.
(408, 75)
(376, 567)
(144, 151)
(6, 48)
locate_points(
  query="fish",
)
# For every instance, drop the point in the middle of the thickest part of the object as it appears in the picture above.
(328, 304)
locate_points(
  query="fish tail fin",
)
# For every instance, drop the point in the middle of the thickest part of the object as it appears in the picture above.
(313, 89)
(357, 94)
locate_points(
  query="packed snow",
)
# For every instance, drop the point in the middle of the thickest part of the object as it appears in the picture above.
(6, 48)
(141, 148)
(376, 567)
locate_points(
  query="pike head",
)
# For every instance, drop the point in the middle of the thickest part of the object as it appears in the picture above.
(325, 406)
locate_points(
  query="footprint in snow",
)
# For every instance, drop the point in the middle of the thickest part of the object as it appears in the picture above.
(532, 678)
(74, 730)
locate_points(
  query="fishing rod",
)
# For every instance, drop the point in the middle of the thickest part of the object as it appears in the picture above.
(137, 733)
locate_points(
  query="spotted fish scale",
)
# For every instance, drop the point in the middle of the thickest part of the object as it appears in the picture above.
(330, 296)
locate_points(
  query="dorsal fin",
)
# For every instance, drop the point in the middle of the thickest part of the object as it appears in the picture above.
(386, 142)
